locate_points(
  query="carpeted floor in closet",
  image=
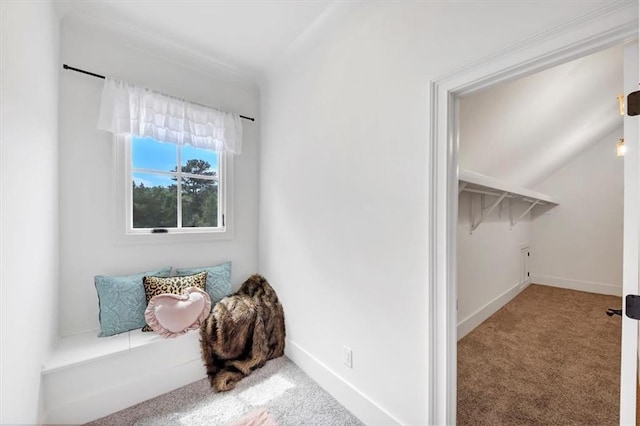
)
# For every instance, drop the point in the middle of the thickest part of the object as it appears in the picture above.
(549, 357)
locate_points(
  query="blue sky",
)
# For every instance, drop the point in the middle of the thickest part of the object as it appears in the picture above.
(147, 153)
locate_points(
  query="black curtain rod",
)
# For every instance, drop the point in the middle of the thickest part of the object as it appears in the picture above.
(92, 74)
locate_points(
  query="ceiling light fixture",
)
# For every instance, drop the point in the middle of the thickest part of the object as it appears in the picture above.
(621, 149)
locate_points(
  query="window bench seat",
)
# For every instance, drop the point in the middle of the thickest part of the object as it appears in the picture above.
(88, 377)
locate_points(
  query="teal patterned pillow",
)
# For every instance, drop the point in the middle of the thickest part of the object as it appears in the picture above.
(122, 301)
(218, 280)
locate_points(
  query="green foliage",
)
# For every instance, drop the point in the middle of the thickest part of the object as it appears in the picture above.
(156, 207)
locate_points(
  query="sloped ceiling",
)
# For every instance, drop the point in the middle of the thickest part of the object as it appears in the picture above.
(523, 131)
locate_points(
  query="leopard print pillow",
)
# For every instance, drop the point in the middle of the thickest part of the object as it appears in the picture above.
(154, 286)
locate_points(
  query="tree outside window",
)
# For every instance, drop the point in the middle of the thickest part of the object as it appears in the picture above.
(165, 195)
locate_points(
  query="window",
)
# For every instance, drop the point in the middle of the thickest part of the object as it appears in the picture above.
(174, 189)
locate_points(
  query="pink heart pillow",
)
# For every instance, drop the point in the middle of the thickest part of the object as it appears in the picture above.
(171, 315)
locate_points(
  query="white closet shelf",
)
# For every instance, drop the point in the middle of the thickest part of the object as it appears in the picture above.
(486, 185)
(480, 182)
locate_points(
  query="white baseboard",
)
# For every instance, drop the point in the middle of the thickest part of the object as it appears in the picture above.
(367, 410)
(478, 317)
(590, 287)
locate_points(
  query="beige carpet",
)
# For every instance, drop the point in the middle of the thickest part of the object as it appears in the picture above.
(279, 393)
(549, 357)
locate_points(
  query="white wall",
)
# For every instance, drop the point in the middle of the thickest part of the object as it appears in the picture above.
(88, 245)
(578, 244)
(489, 263)
(343, 210)
(29, 167)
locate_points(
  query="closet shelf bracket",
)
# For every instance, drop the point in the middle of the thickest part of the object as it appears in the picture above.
(487, 211)
(461, 187)
(514, 222)
(477, 183)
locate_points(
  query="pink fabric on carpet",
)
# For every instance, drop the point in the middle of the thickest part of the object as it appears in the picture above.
(258, 417)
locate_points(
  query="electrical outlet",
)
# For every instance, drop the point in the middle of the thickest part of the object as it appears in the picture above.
(347, 356)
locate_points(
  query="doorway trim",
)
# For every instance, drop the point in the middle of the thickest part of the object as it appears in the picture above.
(609, 25)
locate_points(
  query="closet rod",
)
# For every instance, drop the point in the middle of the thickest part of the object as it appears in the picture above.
(92, 74)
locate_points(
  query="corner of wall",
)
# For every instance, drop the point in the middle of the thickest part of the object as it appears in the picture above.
(29, 223)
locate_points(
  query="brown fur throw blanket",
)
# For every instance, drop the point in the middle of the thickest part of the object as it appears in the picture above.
(242, 333)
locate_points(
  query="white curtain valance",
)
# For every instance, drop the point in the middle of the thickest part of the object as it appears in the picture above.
(137, 111)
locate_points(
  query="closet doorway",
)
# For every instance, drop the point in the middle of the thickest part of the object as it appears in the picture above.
(540, 246)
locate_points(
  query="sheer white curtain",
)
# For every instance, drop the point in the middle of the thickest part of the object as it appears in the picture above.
(131, 110)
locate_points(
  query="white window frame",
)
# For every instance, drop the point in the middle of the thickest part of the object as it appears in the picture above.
(123, 195)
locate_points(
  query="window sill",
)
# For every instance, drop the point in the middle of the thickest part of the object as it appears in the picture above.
(173, 237)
